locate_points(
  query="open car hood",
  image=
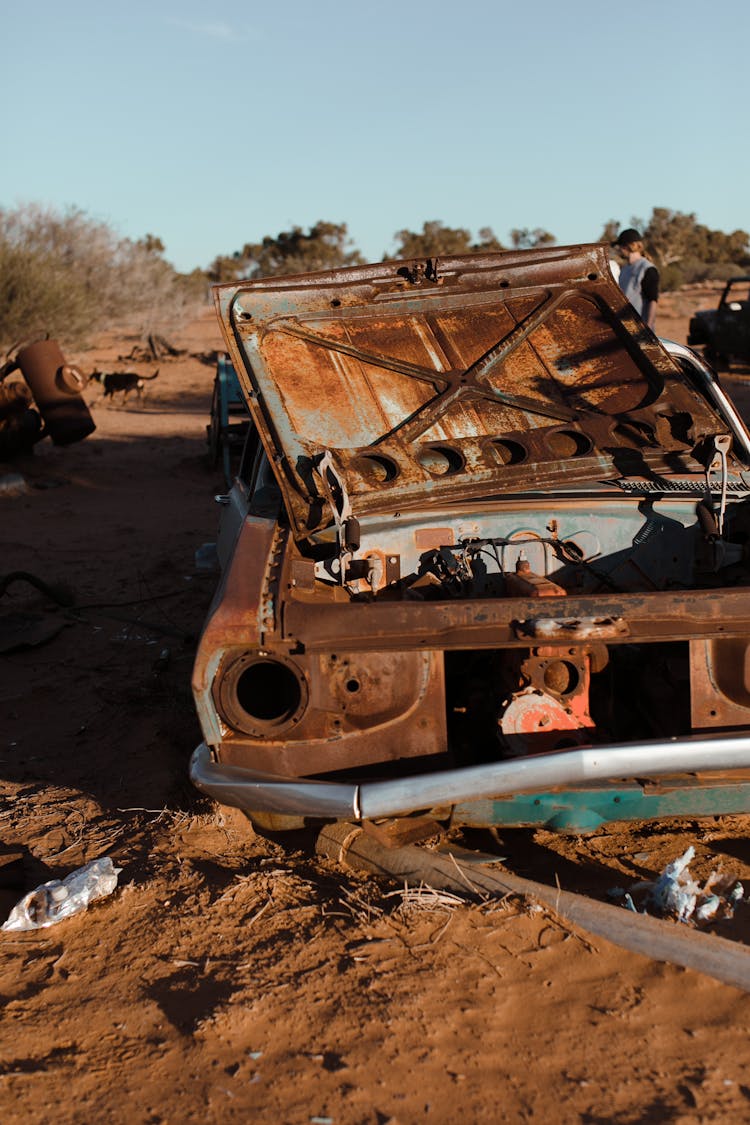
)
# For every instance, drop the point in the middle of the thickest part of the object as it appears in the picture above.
(387, 387)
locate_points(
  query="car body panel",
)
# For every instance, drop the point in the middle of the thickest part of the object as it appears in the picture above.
(457, 383)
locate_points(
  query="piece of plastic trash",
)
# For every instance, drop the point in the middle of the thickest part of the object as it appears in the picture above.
(707, 909)
(59, 899)
(675, 894)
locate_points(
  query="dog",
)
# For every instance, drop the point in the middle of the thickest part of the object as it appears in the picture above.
(122, 382)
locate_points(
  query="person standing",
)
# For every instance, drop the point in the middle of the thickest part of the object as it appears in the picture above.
(639, 278)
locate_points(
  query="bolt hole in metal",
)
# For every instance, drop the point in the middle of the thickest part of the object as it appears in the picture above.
(561, 677)
(353, 686)
(569, 443)
(377, 469)
(268, 692)
(440, 460)
(335, 303)
(592, 276)
(509, 452)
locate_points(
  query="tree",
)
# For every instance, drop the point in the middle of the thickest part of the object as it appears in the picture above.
(227, 268)
(670, 236)
(734, 247)
(686, 250)
(437, 240)
(610, 231)
(324, 246)
(487, 241)
(525, 239)
(152, 244)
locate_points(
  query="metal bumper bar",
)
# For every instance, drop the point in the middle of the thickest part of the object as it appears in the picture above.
(245, 789)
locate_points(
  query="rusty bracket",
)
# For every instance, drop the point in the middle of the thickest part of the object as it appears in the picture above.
(571, 629)
(717, 463)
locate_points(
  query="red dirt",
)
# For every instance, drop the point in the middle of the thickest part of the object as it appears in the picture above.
(234, 978)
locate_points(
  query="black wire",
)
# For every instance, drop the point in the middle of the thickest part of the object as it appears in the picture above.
(133, 601)
(58, 593)
(477, 545)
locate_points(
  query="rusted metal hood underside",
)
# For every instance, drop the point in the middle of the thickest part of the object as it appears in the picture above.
(484, 375)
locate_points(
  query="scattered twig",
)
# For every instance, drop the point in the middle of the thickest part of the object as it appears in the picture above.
(105, 844)
(236, 885)
(258, 914)
(425, 898)
(137, 808)
(435, 937)
(500, 905)
(475, 890)
(75, 844)
(360, 909)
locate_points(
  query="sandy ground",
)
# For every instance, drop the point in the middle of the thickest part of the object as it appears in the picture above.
(236, 978)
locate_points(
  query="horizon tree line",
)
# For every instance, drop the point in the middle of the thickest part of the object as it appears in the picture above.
(68, 275)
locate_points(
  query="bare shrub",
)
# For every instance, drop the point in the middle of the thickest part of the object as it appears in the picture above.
(67, 275)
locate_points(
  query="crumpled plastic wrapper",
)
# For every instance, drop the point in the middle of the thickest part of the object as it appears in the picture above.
(59, 899)
(675, 894)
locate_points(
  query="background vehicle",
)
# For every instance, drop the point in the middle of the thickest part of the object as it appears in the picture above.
(724, 332)
(228, 423)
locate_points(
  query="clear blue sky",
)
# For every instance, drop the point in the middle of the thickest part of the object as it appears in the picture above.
(212, 124)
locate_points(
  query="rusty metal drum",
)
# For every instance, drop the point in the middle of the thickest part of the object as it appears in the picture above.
(56, 386)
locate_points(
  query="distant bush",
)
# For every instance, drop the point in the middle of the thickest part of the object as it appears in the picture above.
(691, 271)
(68, 276)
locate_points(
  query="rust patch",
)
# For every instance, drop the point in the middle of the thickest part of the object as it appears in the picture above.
(427, 538)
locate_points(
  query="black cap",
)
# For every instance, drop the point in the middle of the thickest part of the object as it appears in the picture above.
(625, 237)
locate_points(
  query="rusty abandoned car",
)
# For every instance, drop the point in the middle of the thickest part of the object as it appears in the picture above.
(724, 332)
(487, 555)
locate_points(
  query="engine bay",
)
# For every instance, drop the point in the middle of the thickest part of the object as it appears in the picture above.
(600, 543)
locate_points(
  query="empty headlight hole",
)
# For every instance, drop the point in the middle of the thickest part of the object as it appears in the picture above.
(262, 695)
(268, 691)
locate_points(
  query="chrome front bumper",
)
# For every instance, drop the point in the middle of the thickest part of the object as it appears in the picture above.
(336, 800)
